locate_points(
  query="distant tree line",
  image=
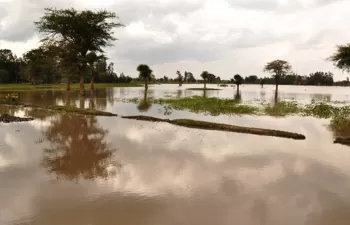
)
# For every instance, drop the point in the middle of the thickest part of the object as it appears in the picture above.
(39, 66)
(72, 51)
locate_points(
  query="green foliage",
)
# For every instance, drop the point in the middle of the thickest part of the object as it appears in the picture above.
(213, 106)
(282, 109)
(238, 79)
(341, 57)
(145, 71)
(11, 97)
(340, 125)
(277, 67)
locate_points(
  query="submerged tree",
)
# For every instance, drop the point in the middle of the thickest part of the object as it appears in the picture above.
(205, 76)
(145, 73)
(92, 60)
(80, 32)
(78, 149)
(278, 68)
(238, 80)
(144, 105)
(341, 57)
(179, 78)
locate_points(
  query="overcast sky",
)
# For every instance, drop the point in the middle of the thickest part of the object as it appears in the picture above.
(224, 37)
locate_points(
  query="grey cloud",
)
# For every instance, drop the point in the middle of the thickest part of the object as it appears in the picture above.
(190, 48)
(276, 5)
(134, 10)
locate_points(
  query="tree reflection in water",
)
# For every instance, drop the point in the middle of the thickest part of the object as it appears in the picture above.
(78, 149)
(145, 104)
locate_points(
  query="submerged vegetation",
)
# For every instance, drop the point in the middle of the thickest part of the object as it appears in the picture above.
(218, 106)
(62, 108)
(6, 118)
(221, 127)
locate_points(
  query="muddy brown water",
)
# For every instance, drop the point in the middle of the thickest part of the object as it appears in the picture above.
(77, 170)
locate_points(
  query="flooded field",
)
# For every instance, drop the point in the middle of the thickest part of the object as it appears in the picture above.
(78, 170)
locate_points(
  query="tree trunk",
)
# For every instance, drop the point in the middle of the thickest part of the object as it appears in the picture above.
(277, 81)
(92, 85)
(82, 102)
(237, 89)
(205, 84)
(68, 84)
(146, 83)
(82, 87)
(67, 97)
(92, 98)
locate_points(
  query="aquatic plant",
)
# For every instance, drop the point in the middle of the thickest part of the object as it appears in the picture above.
(12, 97)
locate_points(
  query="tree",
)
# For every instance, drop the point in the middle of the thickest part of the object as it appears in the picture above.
(92, 59)
(145, 73)
(80, 31)
(205, 76)
(190, 78)
(341, 57)
(179, 77)
(40, 66)
(10, 63)
(278, 68)
(238, 80)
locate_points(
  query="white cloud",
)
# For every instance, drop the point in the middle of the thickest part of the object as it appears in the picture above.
(224, 37)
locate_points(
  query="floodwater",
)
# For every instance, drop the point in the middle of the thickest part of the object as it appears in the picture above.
(77, 170)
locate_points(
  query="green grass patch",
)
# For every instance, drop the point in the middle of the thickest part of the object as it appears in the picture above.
(281, 109)
(219, 106)
(40, 87)
(213, 106)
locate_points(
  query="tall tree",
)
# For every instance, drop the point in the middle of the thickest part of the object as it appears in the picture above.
(238, 80)
(179, 77)
(205, 76)
(82, 32)
(278, 68)
(145, 73)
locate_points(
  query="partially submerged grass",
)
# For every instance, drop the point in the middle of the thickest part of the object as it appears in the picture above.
(221, 127)
(63, 108)
(219, 106)
(74, 109)
(40, 87)
(6, 118)
(203, 89)
(213, 106)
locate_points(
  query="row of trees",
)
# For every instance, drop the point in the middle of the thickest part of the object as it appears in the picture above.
(73, 50)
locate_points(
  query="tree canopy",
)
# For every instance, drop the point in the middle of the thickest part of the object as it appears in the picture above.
(341, 57)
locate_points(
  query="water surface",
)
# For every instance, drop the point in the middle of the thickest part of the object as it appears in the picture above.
(77, 170)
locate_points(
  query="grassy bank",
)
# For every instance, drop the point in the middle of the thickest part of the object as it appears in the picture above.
(30, 87)
(221, 127)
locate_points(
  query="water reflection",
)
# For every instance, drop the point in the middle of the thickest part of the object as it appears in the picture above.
(145, 103)
(181, 176)
(78, 149)
(238, 97)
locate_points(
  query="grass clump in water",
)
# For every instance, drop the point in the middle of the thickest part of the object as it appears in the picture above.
(74, 109)
(213, 106)
(221, 127)
(282, 109)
